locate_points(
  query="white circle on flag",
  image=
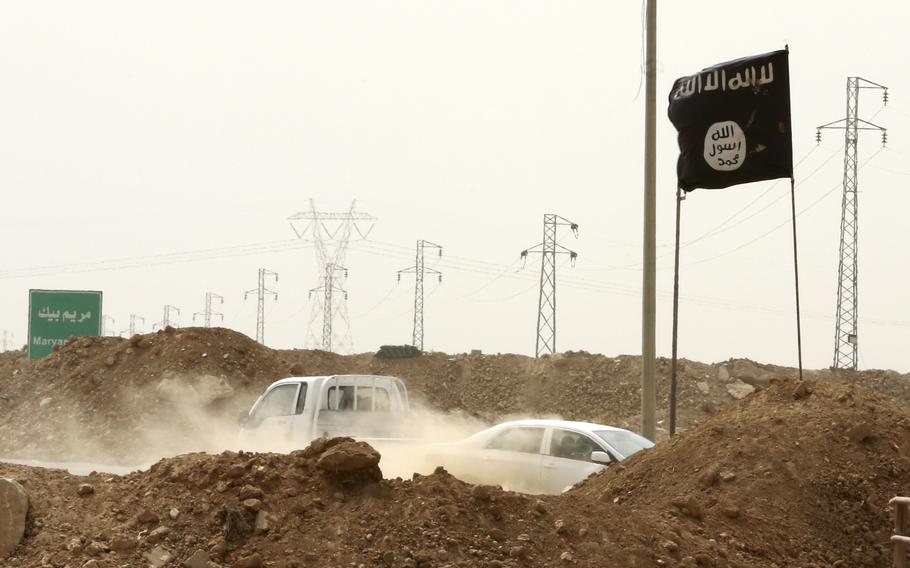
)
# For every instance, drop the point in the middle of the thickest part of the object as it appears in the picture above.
(725, 146)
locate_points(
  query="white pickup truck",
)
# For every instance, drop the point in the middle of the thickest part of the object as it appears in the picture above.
(293, 412)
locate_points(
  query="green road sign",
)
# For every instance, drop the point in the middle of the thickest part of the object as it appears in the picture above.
(56, 315)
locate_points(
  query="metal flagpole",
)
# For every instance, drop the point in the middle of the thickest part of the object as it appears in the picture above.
(799, 335)
(679, 200)
(649, 287)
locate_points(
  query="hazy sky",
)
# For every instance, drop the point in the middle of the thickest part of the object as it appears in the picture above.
(129, 130)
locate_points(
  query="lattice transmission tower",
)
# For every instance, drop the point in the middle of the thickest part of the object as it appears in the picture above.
(261, 292)
(7, 340)
(208, 312)
(331, 288)
(132, 330)
(166, 317)
(549, 249)
(846, 336)
(107, 328)
(330, 233)
(419, 270)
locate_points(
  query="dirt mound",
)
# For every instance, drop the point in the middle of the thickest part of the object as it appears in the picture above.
(794, 475)
(238, 509)
(114, 399)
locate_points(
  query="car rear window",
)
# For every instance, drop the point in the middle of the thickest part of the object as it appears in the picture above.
(624, 442)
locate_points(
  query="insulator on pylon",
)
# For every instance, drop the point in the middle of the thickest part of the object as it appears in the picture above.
(885, 97)
(884, 137)
(818, 136)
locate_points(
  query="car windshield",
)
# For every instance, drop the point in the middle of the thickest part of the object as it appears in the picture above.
(624, 442)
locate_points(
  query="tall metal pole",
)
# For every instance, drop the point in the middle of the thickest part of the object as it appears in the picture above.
(208, 313)
(327, 307)
(261, 292)
(673, 361)
(7, 339)
(649, 288)
(419, 269)
(846, 337)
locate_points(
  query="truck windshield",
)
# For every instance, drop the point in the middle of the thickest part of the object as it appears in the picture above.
(624, 442)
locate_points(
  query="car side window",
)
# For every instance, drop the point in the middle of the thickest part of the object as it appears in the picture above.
(572, 445)
(301, 399)
(278, 402)
(524, 440)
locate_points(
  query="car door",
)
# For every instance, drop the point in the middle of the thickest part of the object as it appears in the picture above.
(512, 458)
(272, 417)
(568, 460)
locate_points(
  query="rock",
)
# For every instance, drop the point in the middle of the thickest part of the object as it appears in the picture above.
(199, 559)
(723, 374)
(540, 507)
(481, 492)
(567, 557)
(739, 390)
(727, 476)
(731, 511)
(264, 522)
(122, 543)
(13, 509)
(136, 340)
(703, 386)
(147, 517)
(709, 477)
(158, 534)
(249, 492)
(44, 402)
(560, 526)
(349, 457)
(96, 548)
(173, 514)
(801, 391)
(85, 490)
(254, 561)
(690, 508)
(520, 552)
(158, 556)
(252, 504)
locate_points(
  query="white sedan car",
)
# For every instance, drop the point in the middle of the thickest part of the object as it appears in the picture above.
(537, 456)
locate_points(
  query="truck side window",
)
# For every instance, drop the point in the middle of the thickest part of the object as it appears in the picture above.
(366, 398)
(301, 398)
(340, 398)
(278, 402)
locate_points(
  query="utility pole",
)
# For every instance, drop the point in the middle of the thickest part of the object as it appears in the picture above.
(649, 236)
(846, 336)
(105, 327)
(7, 340)
(419, 270)
(208, 313)
(330, 233)
(166, 317)
(328, 288)
(546, 303)
(261, 292)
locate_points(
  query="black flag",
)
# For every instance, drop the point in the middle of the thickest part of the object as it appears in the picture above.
(733, 121)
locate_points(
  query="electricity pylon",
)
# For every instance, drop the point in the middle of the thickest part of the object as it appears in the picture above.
(846, 336)
(261, 292)
(7, 340)
(329, 287)
(419, 269)
(208, 313)
(330, 233)
(105, 328)
(166, 317)
(546, 303)
(132, 329)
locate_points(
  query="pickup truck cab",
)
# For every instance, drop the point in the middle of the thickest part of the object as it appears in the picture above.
(293, 412)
